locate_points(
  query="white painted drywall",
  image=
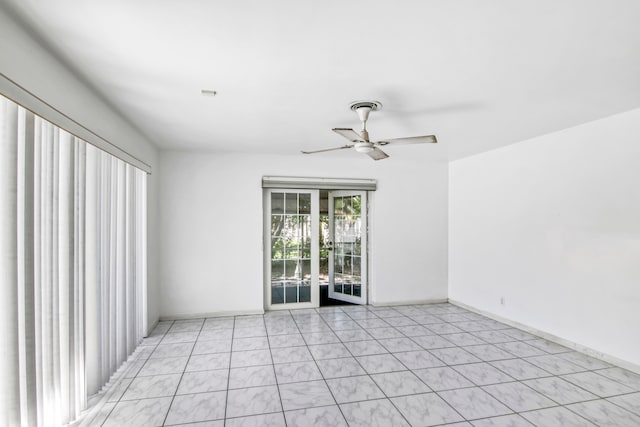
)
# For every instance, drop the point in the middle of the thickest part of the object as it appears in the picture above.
(552, 225)
(25, 61)
(211, 224)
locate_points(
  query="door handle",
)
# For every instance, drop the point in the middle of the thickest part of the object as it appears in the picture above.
(329, 246)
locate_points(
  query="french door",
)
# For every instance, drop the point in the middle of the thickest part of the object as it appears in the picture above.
(291, 248)
(297, 242)
(348, 257)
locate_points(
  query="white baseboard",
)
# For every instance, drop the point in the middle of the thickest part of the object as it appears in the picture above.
(151, 328)
(554, 338)
(211, 314)
(411, 302)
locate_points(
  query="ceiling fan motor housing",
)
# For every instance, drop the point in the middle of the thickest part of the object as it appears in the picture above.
(364, 147)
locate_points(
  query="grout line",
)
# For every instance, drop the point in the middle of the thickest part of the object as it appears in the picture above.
(175, 393)
(226, 399)
(322, 375)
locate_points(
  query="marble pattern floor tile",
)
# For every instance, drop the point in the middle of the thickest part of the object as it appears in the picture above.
(192, 408)
(488, 352)
(155, 386)
(206, 362)
(286, 340)
(212, 346)
(353, 335)
(203, 381)
(454, 356)
(336, 368)
(559, 390)
(555, 365)
(464, 339)
(548, 346)
(116, 392)
(444, 378)
(354, 389)
(329, 351)
(142, 413)
(365, 348)
(241, 359)
(263, 420)
(218, 323)
(630, 402)
(178, 337)
(172, 350)
(413, 330)
(290, 354)
(167, 365)
(585, 361)
(628, 378)
(296, 372)
(305, 395)
(520, 369)
(482, 373)
(215, 335)
(520, 349)
(400, 383)
(249, 332)
(252, 376)
(418, 359)
(255, 343)
(556, 417)
(426, 409)
(320, 338)
(518, 396)
(503, 421)
(378, 363)
(395, 345)
(253, 401)
(493, 337)
(605, 414)
(373, 413)
(473, 403)
(597, 384)
(326, 416)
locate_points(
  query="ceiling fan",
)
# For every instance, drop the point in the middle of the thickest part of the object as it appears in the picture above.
(361, 141)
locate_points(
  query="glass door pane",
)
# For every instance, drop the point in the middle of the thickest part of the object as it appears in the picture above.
(347, 265)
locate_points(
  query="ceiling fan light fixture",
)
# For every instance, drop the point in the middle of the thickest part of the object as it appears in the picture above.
(364, 147)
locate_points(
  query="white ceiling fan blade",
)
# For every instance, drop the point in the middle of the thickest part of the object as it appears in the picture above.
(409, 140)
(377, 154)
(327, 149)
(350, 134)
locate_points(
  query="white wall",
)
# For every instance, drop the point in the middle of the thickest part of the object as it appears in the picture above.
(552, 225)
(211, 224)
(25, 61)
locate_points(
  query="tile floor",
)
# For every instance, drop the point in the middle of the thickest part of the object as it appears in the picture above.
(419, 365)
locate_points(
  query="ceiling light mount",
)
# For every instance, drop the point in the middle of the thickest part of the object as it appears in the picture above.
(363, 108)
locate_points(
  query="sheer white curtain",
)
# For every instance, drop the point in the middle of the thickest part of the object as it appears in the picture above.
(73, 268)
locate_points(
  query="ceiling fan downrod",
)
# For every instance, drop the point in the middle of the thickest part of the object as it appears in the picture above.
(363, 108)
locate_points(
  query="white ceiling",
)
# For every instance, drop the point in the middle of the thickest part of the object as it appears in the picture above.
(478, 74)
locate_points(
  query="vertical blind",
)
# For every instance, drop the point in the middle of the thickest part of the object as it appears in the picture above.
(73, 268)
